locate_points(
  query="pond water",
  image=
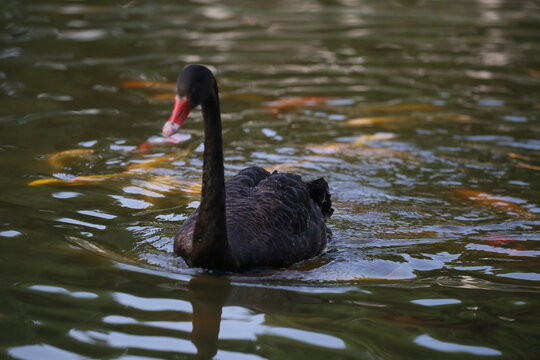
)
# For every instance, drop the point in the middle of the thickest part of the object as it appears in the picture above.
(422, 116)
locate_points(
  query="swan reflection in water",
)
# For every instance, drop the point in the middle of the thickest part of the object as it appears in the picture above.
(210, 295)
(207, 295)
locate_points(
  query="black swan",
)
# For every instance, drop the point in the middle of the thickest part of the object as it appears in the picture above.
(256, 218)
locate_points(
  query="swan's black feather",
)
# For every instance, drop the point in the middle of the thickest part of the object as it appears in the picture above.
(272, 219)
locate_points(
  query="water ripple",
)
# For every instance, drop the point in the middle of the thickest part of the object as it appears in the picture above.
(151, 304)
(447, 347)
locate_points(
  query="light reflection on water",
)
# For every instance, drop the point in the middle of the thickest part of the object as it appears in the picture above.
(422, 116)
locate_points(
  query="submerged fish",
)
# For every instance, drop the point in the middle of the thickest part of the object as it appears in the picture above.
(78, 180)
(62, 158)
(287, 103)
(485, 199)
(149, 84)
(134, 169)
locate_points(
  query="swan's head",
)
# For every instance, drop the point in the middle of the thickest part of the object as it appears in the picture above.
(195, 84)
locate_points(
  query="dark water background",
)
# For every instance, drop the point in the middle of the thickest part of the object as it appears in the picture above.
(425, 126)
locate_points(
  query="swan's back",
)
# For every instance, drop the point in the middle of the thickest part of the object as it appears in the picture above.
(272, 219)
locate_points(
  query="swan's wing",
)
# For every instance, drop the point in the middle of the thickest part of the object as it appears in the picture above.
(268, 202)
(274, 221)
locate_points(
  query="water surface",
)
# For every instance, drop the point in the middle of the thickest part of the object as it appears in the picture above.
(422, 116)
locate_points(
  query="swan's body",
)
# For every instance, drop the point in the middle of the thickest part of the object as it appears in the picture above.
(254, 219)
(271, 220)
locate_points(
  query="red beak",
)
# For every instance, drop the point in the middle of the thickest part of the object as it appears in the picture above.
(179, 114)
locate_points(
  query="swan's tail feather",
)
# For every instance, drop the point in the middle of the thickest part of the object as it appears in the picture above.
(319, 192)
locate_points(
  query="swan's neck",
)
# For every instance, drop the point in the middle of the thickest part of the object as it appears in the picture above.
(210, 244)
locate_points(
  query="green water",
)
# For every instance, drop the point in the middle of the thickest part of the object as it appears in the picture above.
(426, 128)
